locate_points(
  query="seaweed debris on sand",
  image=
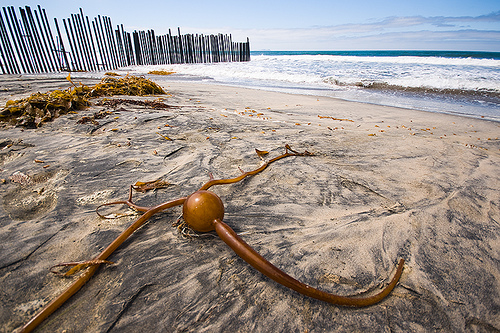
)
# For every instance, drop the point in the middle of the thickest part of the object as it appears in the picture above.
(160, 72)
(38, 108)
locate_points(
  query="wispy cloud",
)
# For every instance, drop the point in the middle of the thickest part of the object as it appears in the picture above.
(412, 32)
(443, 21)
(395, 22)
(407, 32)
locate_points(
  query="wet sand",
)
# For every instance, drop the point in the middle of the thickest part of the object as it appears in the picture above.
(384, 183)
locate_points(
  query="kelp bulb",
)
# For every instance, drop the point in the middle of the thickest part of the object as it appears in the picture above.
(201, 209)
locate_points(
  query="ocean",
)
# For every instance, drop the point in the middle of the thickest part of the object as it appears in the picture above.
(463, 83)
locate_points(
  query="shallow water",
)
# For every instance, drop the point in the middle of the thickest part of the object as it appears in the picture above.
(458, 83)
(466, 84)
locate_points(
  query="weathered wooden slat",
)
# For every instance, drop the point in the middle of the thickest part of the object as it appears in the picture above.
(110, 42)
(75, 58)
(119, 47)
(80, 37)
(47, 37)
(137, 46)
(32, 35)
(31, 47)
(9, 65)
(86, 38)
(22, 43)
(44, 48)
(64, 55)
(100, 32)
(14, 41)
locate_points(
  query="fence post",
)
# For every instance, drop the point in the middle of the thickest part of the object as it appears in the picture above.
(50, 39)
(9, 64)
(63, 50)
(43, 42)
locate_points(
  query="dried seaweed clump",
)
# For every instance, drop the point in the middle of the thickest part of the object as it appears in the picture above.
(38, 108)
(128, 85)
(113, 103)
(160, 72)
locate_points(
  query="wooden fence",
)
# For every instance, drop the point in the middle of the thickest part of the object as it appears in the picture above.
(28, 44)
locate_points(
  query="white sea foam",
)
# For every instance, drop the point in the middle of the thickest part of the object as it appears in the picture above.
(390, 60)
(349, 77)
(428, 72)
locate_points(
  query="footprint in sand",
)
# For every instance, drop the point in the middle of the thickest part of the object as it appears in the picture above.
(34, 197)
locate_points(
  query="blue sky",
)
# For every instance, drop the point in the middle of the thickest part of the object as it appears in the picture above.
(472, 25)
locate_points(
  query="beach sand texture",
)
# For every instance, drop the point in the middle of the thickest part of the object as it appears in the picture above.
(384, 183)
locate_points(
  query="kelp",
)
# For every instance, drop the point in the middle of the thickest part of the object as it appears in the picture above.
(128, 85)
(38, 108)
(151, 185)
(42, 107)
(339, 119)
(113, 103)
(93, 119)
(202, 211)
(160, 72)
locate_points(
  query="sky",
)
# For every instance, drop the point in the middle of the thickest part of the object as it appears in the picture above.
(291, 25)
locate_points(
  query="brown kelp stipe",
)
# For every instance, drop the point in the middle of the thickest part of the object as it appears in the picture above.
(203, 211)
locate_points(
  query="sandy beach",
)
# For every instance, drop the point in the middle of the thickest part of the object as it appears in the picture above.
(384, 183)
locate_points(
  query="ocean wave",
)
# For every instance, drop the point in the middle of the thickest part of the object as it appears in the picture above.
(230, 72)
(436, 61)
(385, 86)
(311, 70)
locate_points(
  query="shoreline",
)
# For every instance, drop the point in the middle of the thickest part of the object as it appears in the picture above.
(18, 86)
(418, 99)
(384, 183)
(346, 99)
(440, 84)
